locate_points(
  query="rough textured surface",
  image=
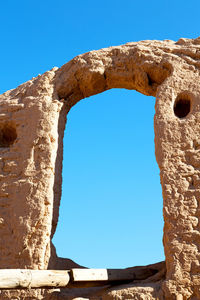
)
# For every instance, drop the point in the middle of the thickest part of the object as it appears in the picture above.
(32, 122)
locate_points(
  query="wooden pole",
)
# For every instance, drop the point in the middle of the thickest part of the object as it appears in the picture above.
(24, 278)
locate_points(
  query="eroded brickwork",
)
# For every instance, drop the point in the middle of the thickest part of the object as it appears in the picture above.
(32, 121)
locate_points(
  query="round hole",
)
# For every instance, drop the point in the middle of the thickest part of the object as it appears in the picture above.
(182, 106)
(8, 135)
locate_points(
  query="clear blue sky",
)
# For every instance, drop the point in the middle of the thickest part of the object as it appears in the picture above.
(111, 207)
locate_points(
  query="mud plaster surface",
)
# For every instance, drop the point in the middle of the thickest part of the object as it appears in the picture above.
(32, 122)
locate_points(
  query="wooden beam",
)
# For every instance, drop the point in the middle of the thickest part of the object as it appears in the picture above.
(83, 275)
(24, 278)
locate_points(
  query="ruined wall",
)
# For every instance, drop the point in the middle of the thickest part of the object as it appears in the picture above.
(29, 119)
(32, 120)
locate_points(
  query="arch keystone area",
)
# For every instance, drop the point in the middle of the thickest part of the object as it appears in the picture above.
(32, 122)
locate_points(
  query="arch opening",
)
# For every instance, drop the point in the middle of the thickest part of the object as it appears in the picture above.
(109, 198)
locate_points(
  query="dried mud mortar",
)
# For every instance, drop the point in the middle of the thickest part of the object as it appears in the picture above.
(32, 122)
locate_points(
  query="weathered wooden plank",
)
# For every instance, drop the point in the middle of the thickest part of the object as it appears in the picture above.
(89, 274)
(24, 278)
(80, 275)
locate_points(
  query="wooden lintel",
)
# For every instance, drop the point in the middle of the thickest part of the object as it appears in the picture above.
(84, 275)
(26, 278)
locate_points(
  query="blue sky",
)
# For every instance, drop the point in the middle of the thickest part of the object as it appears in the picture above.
(111, 207)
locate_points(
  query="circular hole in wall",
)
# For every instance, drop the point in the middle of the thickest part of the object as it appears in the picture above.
(182, 106)
(8, 135)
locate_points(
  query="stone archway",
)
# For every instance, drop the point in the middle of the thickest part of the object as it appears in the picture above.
(32, 121)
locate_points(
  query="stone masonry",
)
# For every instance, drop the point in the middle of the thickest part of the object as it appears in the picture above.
(32, 123)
